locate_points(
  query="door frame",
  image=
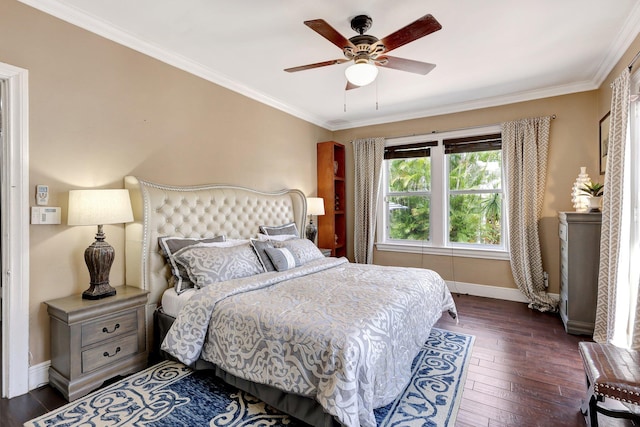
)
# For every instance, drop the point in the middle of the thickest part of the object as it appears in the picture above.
(14, 205)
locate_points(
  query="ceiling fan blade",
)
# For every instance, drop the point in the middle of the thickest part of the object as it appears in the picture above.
(316, 65)
(419, 28)
(407, 65)
(321, 27)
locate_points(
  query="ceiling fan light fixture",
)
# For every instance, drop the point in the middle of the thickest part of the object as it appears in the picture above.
(361, 73)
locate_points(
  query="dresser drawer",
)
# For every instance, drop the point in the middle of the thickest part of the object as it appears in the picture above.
(110, 327)
(110, 352)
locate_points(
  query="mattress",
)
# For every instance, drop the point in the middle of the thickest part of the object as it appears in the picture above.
(173, 302)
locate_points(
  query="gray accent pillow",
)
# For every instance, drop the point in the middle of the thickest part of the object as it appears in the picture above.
(282, 258)
(304, 249)
(290, 229)
(259, 247)
(169, 245)
(212, 264)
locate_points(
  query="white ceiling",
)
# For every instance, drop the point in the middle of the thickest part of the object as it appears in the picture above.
(487, 53)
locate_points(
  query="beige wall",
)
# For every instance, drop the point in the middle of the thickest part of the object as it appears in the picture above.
(573, 143)
(99, 111)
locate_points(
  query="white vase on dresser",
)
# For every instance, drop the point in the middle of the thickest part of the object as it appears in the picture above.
(580, 199)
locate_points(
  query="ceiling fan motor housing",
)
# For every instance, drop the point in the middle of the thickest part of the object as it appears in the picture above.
(363, 44)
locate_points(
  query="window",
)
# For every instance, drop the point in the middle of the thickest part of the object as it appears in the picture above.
(444, 195)
(408, 197)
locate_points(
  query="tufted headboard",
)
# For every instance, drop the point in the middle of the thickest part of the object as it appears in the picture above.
(195, 211)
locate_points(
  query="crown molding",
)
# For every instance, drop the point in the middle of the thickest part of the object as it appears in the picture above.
(473, 105)
(65, 12)
(619, 45)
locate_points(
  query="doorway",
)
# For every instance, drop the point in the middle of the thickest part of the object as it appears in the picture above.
(14, 226)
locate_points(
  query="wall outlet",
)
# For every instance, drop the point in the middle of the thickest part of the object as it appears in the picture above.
(545, 277)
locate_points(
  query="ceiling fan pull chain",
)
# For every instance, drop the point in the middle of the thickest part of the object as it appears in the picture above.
(345, 101)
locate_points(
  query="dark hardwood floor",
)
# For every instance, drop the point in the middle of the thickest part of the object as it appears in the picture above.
(525, 371)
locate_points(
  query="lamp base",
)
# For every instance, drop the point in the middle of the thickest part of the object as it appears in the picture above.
(311, 231)
(99, 257)
(99, 291)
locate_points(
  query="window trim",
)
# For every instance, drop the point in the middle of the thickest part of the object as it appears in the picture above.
(438, 192)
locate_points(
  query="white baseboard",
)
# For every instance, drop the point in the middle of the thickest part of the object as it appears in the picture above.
(39, 375)
(497, 292)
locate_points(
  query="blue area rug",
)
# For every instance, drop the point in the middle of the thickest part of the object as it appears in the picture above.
(170, 394)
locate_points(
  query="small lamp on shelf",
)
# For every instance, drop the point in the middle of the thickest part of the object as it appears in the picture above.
(99, 207)
(315, 206)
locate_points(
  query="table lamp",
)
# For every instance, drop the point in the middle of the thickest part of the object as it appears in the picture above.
(99, 207)
(315, 206)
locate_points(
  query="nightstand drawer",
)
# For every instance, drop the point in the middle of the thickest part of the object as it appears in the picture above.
(107, 328)
(108, 353)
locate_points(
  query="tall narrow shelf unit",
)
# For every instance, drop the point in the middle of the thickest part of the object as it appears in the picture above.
(332, 226)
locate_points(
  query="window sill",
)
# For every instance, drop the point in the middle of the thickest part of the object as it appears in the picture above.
(452, 251)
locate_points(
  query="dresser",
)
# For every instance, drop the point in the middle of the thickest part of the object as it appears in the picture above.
(579, 263)
(95, 340)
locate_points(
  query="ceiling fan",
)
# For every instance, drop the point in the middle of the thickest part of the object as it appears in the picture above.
(368, 52)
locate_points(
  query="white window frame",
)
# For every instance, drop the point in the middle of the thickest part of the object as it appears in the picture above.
(438, 244)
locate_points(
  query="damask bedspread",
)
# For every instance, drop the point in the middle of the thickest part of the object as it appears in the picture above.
(344, 334)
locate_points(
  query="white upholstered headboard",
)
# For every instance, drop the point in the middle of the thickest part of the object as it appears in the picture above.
(196, 211)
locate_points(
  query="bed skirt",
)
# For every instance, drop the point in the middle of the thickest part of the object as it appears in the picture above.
(301, 407)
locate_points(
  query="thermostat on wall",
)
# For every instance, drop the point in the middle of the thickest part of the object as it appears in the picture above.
(42, 195)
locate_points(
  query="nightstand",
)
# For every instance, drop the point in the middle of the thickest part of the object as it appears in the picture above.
(95, 340)
(325, 252)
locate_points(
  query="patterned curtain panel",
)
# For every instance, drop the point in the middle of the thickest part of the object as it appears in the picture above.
(368, 155)
(524, 149)
(617, 316)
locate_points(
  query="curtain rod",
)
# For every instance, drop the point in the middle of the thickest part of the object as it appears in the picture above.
(553, 117)
(633, 61)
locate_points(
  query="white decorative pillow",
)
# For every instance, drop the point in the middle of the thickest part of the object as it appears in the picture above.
(276, 230)
(207, 264)
(227, 243)
(169, 245)
(282, 258)
(304, 249)
(277, 237)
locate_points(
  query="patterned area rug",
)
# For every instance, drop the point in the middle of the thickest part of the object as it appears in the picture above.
(170, 394)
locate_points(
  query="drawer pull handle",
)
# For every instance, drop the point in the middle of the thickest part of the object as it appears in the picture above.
(106, 354)
(106, 331)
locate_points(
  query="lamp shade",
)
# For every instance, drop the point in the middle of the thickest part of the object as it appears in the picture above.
(315, 206)
(99, 207)
(361, 73)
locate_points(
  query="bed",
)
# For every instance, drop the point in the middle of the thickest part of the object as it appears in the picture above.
(319, 338)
